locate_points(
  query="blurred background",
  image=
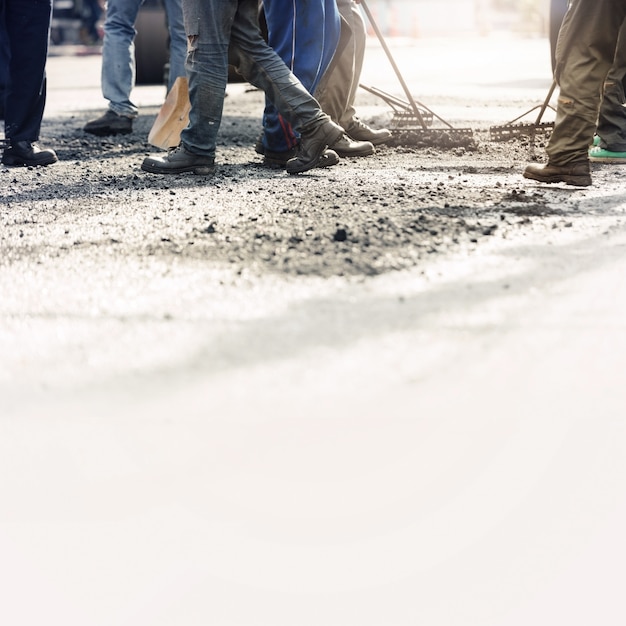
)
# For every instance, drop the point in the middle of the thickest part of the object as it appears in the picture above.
(79, 23)
(404, 18)
(437, 18)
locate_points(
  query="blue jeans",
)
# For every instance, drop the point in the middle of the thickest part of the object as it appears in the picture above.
(26, 24)
(223, 31)
(118, 51)
(304, 34)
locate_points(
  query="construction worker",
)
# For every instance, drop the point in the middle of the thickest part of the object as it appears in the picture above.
(221, 32)
(610, 137)
(118, 63)
(337, 90)
(585, 53)
(305, 36)
(24, 33)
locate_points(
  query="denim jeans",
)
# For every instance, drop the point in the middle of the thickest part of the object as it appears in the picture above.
(26, 24)
(118, 51)
(304, 34)
(223, 31)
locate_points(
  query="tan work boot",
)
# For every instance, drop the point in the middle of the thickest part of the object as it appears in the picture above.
(577, 174)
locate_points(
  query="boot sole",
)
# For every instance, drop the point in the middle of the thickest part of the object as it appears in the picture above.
(326, 160)
(354, 153)
(200, 170)
(613, 160)
(17, 162)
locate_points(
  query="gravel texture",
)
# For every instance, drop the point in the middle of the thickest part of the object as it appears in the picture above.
(366, 216)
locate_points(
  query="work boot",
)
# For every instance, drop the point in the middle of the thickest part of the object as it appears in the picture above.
(109, 124)
(577, 174)
(279, 160)
(359, 131)
(28, 153)
(346, 147)
(313, 146)
(178, 161)
(276, 159)
(602, 155)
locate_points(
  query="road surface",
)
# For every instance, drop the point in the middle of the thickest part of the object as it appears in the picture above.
(212, 438)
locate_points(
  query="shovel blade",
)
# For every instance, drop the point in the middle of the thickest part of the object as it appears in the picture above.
(173, 117)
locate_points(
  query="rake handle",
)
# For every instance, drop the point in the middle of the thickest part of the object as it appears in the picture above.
(546, 102)
(416, 111)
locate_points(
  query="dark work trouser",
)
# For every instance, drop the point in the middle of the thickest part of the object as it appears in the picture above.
(26, 25)
(337, 90)
(304, 34)
(585, 53)
(223, 31)
(612, 119)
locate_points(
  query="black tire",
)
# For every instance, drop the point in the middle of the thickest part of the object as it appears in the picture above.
(151, 46)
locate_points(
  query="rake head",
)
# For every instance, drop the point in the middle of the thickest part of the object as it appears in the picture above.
(517, 128)
(505, 132)
(443, 138)
(412, 125)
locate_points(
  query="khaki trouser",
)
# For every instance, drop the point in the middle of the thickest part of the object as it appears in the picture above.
(584, 55)
(337, 89)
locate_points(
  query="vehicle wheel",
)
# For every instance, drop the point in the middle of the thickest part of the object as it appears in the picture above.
(151, 46)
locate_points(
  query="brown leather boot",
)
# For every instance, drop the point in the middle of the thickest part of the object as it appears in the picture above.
(573, 174)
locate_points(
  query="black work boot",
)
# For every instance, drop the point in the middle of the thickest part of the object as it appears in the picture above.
(178, 161)
(360, 131)
(346, 147)
(577, 174)
(109, 124)
(313, 145)
(278, 160)
(28, 153)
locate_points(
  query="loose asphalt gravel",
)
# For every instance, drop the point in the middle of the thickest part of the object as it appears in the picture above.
(365, 216)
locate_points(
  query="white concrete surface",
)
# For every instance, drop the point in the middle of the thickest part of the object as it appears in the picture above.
(442, 448)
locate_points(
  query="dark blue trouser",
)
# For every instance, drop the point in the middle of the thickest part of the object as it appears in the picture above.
(304, 34)
(4, 66)
(26, 28)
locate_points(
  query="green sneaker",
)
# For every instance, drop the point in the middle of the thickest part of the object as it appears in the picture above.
(600, 155)
(596, 140)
